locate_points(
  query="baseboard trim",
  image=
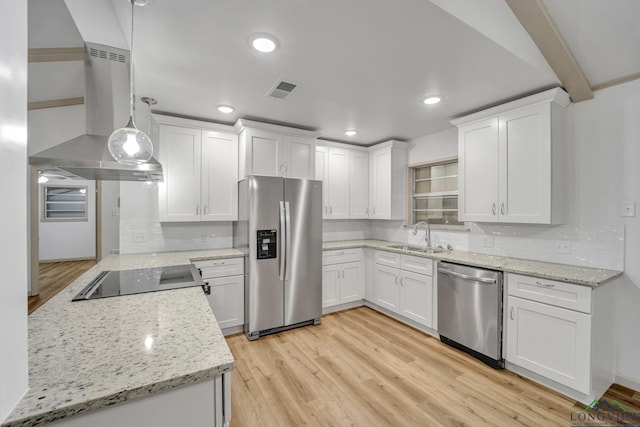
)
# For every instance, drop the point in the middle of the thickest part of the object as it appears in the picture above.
(627, 382)
(342, 307)
(402, 319)
(232, 330)
(43, 261)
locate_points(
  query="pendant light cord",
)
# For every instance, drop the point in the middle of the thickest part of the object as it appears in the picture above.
(132, 98)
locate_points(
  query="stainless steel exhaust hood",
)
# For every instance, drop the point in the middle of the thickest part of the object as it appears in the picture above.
(107, 104)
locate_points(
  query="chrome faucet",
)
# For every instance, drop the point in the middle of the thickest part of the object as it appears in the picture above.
(427, 232)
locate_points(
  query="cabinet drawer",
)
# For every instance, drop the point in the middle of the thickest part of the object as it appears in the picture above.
(342, 255)
(416, 264)
(388, 258)
(220, 267)
(560, 294)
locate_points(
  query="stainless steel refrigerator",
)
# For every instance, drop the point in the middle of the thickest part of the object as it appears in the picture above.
(279, 229)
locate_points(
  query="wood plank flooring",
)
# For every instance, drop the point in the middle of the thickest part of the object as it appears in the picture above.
(361, 368)
(55, 276)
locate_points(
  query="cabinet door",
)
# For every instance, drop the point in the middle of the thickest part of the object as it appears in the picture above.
(358, 185)
(265, 156)
(298, 157)
(179, 194)
(550, 341)
(338, 183)
(525, 165)
(330, 282)
(219, 171)
(322, 163)
(380, 190)
(416, 297)
(386, 282)
(478, 171)
(351, 285)
(227, 300)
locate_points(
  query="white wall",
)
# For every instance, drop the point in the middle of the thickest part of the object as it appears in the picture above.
(607, 152)
(66, 240)
(110, 232)
(13, 216)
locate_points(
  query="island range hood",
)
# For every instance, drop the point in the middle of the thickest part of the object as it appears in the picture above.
(107, 106)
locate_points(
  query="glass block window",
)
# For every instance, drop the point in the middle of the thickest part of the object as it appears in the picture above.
(434, 193)
(64, 203)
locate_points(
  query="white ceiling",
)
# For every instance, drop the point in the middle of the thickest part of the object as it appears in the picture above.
(361, 64)
(603, 35)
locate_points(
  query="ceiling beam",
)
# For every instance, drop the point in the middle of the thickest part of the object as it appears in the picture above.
(38, 105)
(615, 82)
(535, 19)
(56, 54)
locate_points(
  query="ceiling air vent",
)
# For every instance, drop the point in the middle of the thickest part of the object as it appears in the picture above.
(281, 89)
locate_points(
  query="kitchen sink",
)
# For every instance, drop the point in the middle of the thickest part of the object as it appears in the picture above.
(420, 249)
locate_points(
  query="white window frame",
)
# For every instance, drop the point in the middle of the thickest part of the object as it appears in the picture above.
(45, 218)
(411, 194)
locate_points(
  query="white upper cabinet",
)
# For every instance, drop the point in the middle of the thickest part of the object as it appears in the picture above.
(511, 161)
(200, 170)
(338, 183)
(273, 150)
(358, 184)
(387, 180)
(219, 171)
(343, 170)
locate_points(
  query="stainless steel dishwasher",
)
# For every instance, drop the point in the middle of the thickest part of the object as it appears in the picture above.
(470, 311)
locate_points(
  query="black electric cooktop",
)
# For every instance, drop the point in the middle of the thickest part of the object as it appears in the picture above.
(128, 282)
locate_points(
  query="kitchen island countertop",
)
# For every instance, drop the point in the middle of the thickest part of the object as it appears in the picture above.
(91, 354)
(586, 276)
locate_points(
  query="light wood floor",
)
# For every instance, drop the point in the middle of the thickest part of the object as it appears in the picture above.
(362, 368)
(55, 276)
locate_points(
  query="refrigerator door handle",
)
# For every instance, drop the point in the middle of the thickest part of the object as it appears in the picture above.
(288, 238)
(282, 241)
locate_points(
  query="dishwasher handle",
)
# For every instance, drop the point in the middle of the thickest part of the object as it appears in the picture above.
(467, 277)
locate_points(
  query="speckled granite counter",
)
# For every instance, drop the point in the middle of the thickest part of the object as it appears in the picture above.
(562, 272)
(91, 354)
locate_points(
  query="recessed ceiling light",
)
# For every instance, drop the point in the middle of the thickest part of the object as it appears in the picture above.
(351, 132)
(226, 109)
(263, 43)
(432, 99)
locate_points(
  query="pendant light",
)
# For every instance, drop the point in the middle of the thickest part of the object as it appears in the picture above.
(129, 145)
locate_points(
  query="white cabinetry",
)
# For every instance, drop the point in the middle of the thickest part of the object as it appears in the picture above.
(342, 277)
(200, 168)
(345, 177)
(403, 284)
(387, 180)
(556, 331)
(273, 150)
(358, 184)
(511, 161)
(225, 278)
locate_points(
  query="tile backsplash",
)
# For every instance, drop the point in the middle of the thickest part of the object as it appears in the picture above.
(584, 245)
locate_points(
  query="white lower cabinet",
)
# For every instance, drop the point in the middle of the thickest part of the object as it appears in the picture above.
(342, 277)
(550, 341)
(559, 334)
(403, 291)
(225, 278)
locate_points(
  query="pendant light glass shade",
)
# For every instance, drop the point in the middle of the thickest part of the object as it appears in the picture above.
(129, 145)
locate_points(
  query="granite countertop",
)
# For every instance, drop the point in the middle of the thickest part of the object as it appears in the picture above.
(91, 354)
(586, 276)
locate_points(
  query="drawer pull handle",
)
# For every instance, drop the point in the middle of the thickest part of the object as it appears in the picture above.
(219, 263)
(502, 208)
(545, 285)
(341, 253)
(493, 209)
(511, 313)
